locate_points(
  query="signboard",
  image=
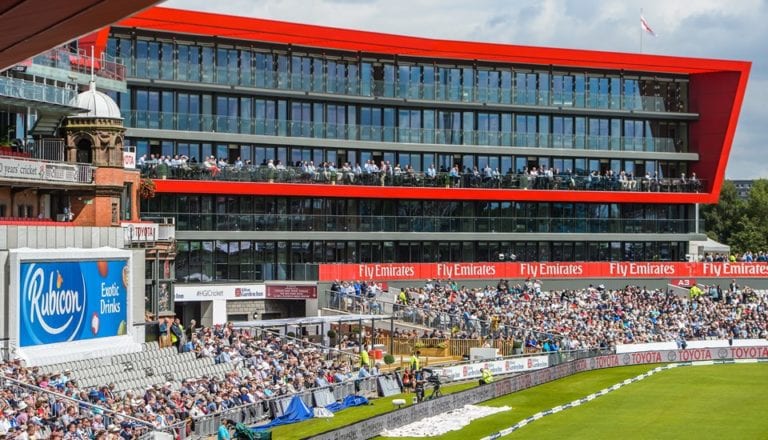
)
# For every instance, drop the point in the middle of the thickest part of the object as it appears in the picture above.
(506, 366)
(685, 283)
(285, 291)
(140, 232)
(210, 292)
(37, 170)
(554, 270)
(63, 301)
(129, 159)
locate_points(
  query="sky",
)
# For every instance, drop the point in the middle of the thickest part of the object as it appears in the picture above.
(696, 28)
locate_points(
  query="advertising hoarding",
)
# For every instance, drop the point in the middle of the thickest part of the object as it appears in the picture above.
(291, 291)
(550, 270)
(29, 169)
(70, 304)
(62, 301)
(499, 367)
(140, 232)
(210, 292)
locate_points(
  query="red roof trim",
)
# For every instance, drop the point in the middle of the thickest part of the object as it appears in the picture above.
(272, 31)
(179, 21)
(377, 192)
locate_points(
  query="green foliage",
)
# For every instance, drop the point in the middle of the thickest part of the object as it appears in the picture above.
(389, 359)
(741, 224)
(147, 189)
(331, 334)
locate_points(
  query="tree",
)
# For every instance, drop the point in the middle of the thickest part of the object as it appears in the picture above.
(721, 221)
(741, 224)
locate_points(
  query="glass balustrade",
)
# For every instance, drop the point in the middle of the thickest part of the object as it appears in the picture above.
(228, 124)
(425, 224)
(23, 89)
(483, 179)
(105, 67)
(335, 85)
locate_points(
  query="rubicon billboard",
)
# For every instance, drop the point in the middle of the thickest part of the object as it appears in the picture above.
(555, 270)
(63, 301)
(69, 296)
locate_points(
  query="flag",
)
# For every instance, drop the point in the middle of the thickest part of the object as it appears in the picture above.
(645, 26)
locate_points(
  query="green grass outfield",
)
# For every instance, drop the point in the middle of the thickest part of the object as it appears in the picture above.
(703, 402)
(707, 402)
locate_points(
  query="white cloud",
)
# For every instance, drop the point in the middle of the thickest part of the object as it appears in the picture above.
(701, 28)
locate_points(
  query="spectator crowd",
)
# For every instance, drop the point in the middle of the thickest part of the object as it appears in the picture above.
(386, 173)
(54, 405)
(274, 367)
(592, 317)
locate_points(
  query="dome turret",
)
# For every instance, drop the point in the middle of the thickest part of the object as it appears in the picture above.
(99, 104)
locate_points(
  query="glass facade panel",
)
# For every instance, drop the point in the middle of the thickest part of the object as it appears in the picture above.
(305, 95)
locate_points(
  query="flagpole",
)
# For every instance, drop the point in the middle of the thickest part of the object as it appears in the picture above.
(641, 32)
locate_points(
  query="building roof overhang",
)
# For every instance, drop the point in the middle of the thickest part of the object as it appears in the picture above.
(35, 26)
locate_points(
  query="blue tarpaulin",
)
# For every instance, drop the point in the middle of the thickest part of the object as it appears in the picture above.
(348, 401)
(297, 411)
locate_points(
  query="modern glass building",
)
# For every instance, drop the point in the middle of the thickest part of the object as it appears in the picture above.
(260, 137)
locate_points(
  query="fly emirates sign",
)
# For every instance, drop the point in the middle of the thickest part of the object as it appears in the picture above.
(458, 271)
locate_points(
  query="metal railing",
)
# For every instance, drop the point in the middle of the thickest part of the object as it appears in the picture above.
(560, 181)
(442, 136)
(197, 221)
(60, 58)
(332, 353)
(86, 409)
(395, 88)
(426, 316)
(35, 91)
(253, 413)
(46, 149)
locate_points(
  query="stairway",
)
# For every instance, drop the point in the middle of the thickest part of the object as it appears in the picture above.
(46, 125)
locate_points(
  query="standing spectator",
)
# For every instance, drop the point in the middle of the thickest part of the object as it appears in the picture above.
(365, 360)
(165, 332)
(177, 334)
(415, 364)
(223, 431)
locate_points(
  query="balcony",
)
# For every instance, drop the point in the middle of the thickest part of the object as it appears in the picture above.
(396, 89)
(494, 180)
(18, 168)
(34, 91)
(67, 66)
(267, 127)
(300, 222)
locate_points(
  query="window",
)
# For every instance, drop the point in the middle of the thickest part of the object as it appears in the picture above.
(562, 90)
(598, 133)
(126, 202)
(525, 88)
(562, 132)
(598, 92)
(525, 132)
(147, 109)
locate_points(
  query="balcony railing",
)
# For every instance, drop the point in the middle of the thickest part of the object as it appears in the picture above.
(558, 181)
(299, 222)
(80, 62)
(272, 127)
(34, 91)
(394, 88)
(46, 149)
